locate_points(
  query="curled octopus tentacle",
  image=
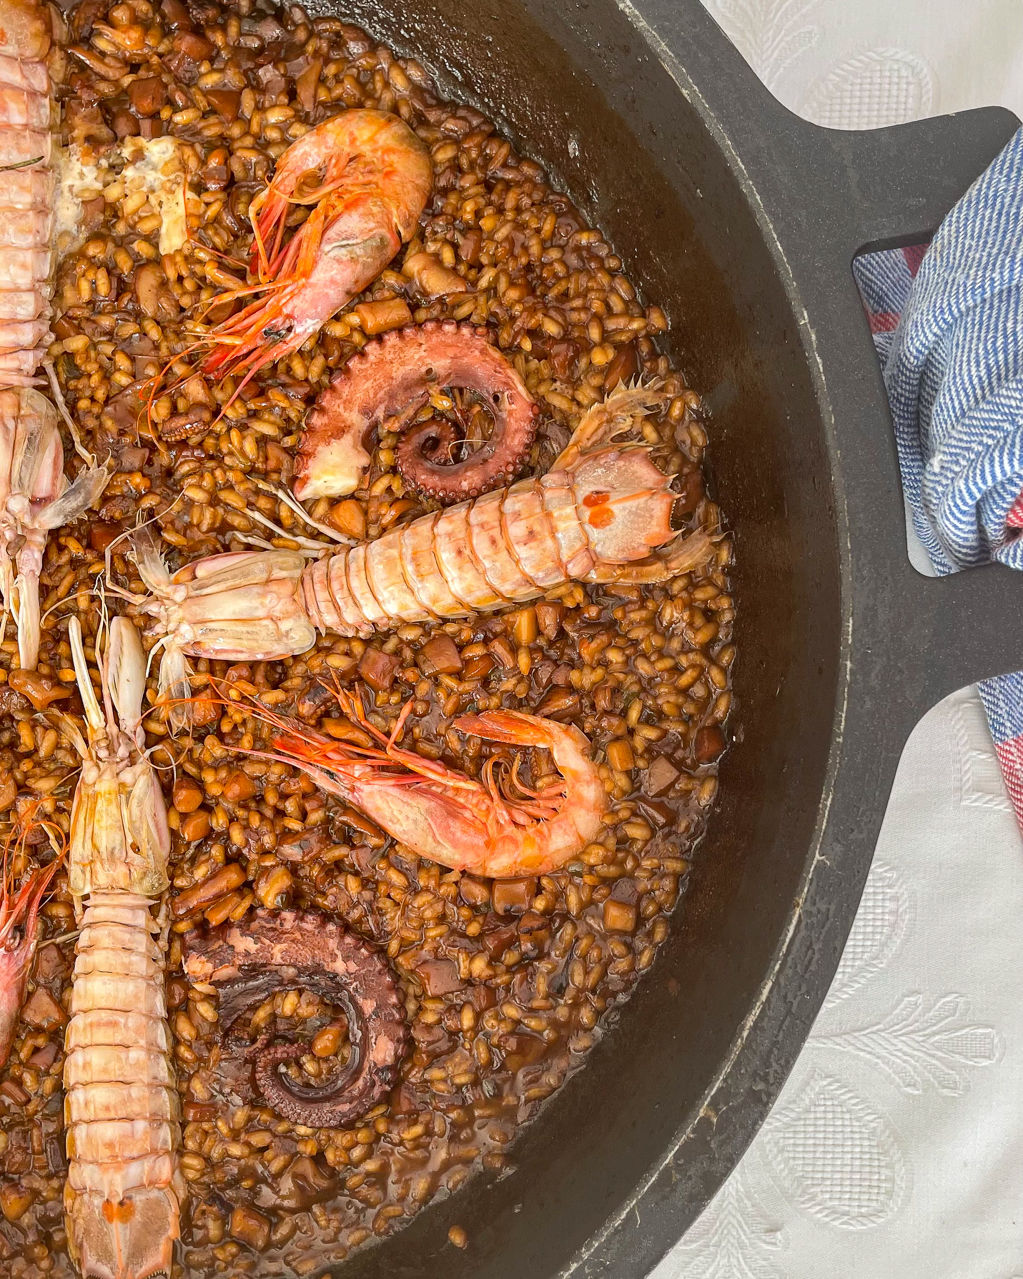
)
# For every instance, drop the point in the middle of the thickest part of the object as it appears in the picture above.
(387, 383)
(278, 950)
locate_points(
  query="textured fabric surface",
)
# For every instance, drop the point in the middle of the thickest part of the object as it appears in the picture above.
(894, 1149)
(954, 372)
(861, 64)
(947, 322)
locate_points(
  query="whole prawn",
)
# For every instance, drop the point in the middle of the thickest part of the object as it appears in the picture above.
(32, 485)
(124, 1193)
(497, 827)
(367, 176)
(599, 516)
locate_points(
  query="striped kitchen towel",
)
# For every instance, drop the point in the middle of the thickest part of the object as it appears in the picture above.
(947, 320)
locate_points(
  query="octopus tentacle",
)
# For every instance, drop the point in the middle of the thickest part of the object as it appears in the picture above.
(277, 950)
(389, 381)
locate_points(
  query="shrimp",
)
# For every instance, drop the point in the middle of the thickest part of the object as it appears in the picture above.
(497, 828)
(124, 1193)
(368, 177)
(34, 499)
(19, 924)
(603, 514)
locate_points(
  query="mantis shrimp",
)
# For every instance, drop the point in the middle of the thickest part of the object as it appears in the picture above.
(33, 499)
(124, 1193)
(602, 514)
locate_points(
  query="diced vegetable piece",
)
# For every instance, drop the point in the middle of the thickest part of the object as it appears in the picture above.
(619, 917)
(42, 1010)
(40, 690)
(223, 881)
(250, 1228)
(548, 618)
(186, 795)
(440, 655)
(147, 95)
(378, 669)
(513, 896)
(661, 776)
(439, 976)
(349, 518)
(709, 743)
(387, 313)
(15, 1200)
(432, 277)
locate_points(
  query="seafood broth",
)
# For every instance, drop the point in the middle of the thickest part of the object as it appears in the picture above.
(172, 117)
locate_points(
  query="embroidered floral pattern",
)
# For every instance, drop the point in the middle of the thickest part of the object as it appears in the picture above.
(732, 1242)
(884, 915)
(829, 1147)
(978, 777)
(923, 1042)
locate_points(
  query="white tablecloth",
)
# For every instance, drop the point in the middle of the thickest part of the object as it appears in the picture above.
(896, 1148)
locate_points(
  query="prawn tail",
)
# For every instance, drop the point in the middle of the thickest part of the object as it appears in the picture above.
(626, 501)
(116, 1238)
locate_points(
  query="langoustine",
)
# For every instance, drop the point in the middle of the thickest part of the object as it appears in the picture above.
(602, 514)
(497, 827)
(245, 963)
(33, 499)
(19, 927)
(367, 176)
(125, 1190)
(386, 383)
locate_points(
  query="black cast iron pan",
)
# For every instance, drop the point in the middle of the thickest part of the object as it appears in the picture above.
(742, 221)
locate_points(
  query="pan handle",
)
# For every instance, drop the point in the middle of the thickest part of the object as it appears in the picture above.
(830, 194)
(887, 188)
(904, 179)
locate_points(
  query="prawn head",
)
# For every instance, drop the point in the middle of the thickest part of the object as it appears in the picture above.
(19, 924)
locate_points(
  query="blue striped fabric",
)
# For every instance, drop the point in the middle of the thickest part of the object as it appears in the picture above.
(953, 367)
